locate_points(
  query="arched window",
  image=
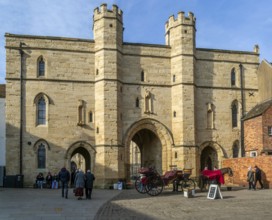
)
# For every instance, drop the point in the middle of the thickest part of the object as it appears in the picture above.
(41, 156)
(41, 66)
(174, 114)
(137, 103)
(142, 76)
(41, 111)
(235, 149)
(233, 77)
(41, 103)
(234, 115)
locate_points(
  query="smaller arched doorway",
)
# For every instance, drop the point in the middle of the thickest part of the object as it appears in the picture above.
(209, 158)
(81, 154)
(80, 159)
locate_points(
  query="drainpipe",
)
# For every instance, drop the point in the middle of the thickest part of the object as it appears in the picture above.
(21, 108)
(243, 110)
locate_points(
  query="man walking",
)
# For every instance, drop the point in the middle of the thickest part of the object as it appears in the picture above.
(64, 177)
(89, 178)
(258, 177)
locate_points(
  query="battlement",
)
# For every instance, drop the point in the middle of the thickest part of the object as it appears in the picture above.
(103, 11)
(180, 20)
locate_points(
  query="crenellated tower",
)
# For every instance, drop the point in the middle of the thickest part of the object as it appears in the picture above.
(108, 37)
(180, 36)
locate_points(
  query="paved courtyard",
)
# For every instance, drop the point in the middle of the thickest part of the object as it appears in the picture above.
(128, 204)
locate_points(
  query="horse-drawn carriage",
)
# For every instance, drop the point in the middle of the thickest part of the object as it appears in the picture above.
(208, 177)
(152, 183)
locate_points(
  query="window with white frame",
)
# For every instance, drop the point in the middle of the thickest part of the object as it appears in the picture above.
(270, 130)
(253, 153)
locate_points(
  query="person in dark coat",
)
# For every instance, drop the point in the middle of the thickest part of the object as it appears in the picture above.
(258, 176)
(64, 177)
(48, 180)
(89, 178)
(39, 180)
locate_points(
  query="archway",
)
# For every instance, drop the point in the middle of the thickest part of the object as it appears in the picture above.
(81, 154)
(147, 153)
(154, 143)
(211, 155)
(209, 158)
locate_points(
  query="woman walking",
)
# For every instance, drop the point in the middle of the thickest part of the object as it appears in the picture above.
(79, 184)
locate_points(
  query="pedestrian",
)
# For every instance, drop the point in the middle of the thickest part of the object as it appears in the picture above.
(48, 179)
(258, 176)
(55, 181)
(40, 180)
(79, 184)
(64, 177)
(250, 179)
(89, 178)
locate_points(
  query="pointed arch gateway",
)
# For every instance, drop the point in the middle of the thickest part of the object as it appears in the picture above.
(86, 150)
(211, 154)
(154, 141)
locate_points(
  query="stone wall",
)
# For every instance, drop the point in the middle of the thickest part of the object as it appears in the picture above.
(105, 75)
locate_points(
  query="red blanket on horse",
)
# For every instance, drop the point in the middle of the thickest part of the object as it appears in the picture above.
(214, 174)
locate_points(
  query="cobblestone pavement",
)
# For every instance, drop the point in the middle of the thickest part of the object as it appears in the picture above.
(28, 204)
(47, 204)
(236, 204)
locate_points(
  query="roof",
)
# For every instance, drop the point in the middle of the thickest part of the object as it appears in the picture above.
(2, 90)
(258, 110)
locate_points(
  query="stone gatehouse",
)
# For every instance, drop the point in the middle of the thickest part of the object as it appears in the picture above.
(110, 106)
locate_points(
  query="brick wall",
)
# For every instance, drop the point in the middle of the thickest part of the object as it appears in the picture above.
(267, 121)
(253, 135)
(240, 168)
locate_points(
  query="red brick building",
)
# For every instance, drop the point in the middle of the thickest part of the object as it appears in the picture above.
(258, 130)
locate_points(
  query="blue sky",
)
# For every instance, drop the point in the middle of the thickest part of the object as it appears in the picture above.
(221, 24)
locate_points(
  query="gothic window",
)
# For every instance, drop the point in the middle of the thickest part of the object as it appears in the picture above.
(235, 149)
(174, 114)
(233, 77)
(41, 156)
(234, 115)
(174, 78)
(210, 116)
(142, 76)
(41, 66)
(41, 111)
(41, 103)
(137, 103)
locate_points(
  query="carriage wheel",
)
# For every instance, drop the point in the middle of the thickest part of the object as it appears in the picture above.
(187, 184)
(139, 186)
(154, 186)
(201, 183)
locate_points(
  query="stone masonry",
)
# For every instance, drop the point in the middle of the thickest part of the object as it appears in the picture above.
(158, 96)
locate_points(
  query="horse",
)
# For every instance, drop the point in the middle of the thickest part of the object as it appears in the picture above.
(217, 177)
